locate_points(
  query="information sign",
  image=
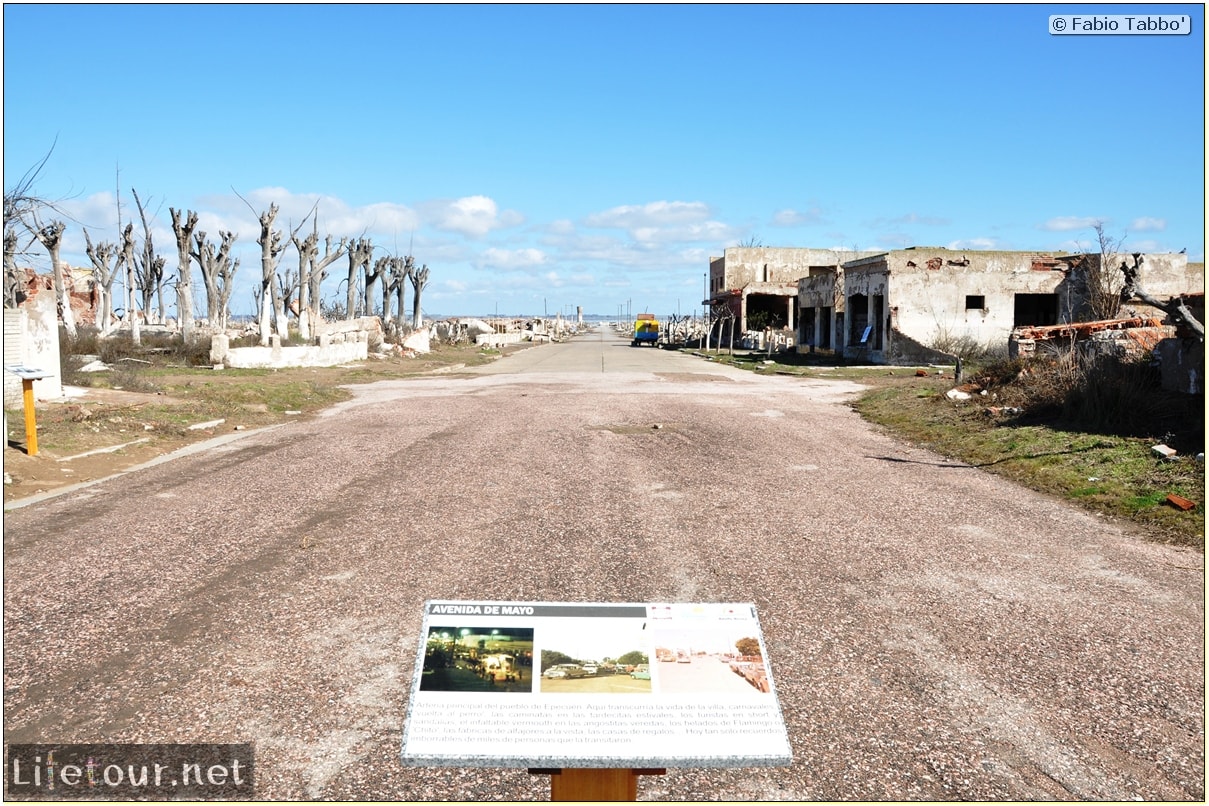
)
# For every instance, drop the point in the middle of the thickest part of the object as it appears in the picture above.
(576, 685)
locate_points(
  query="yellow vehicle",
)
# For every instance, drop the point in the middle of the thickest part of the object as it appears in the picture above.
(646, 330)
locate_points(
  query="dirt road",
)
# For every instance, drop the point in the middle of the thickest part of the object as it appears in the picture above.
(935, 632)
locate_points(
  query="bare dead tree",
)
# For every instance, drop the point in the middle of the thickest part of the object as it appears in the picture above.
(359, 253)
(14, 284)
(51, 238)
(103, 275)
(184, 282)
(373, 272)
(22, 206)
(126, 258)
(284, 302)
(401, 269)
(419, 279)
(388, 293)
(1104, 284)
(307, 249)
(149, 267)
(271, 247)
(314, 272)
(218, 276)
(1175, 307)
(286, 286)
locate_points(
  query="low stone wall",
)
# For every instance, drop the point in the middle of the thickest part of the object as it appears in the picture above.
(335, 345)
(499, 339)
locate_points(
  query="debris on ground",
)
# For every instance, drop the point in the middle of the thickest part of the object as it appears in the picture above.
(1163, 452)
(1180, 502)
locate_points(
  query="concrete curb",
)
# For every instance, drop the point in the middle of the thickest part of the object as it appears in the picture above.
(196, 447)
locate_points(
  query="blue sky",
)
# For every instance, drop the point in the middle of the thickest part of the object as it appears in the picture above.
(539, 158)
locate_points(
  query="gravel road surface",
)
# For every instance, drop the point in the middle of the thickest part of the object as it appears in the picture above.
(935, 632)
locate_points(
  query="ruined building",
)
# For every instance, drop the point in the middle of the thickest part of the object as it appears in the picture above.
(898, 303)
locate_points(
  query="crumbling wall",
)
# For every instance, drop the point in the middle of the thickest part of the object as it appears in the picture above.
(31, 339)
(334, 343)
(1182, 365)
(946, 296)
(744, 265)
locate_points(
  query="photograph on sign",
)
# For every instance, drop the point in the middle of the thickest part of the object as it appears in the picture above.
(478, 658)
(610, 659)
(717, 660)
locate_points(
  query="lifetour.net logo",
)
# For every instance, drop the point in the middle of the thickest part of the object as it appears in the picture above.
(129, 771)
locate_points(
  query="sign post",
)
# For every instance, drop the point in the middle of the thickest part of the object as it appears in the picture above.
(28, 376)
(594, 695)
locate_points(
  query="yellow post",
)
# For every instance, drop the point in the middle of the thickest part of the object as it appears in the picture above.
(31, 425)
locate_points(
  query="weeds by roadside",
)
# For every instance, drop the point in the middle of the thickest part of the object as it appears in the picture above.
(1084, 432)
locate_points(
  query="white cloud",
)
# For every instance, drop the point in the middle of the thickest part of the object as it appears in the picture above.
(1144, 246)
(907, 220)
(662, 222)
(1146, 224)
(660, 213)
(975, 243)
(470, 215)
(511, 259)
(797, 218)
(1068, 223)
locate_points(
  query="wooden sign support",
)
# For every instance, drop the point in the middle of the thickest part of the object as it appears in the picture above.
(595, 784)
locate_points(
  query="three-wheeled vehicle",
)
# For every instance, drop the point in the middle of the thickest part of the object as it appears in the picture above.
(646, 330)
(499, 668)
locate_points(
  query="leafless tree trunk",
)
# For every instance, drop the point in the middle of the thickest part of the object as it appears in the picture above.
(419, 279)
(184, 282)
(314, 275)
(1175, 307)
(283, 301)
(401, 270)
(359, 253)
(371, 281)
(103, 276)
(51, 237)
(150, 269)
(14, 283)
(127, 259)
(271, 247)
(218, 275)
(307, 250)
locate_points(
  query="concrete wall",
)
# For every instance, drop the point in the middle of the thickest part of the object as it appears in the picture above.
(31, 339)
(741, 266)
(934, 295)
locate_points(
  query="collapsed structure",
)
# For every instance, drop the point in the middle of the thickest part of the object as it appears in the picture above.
(908, 305)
